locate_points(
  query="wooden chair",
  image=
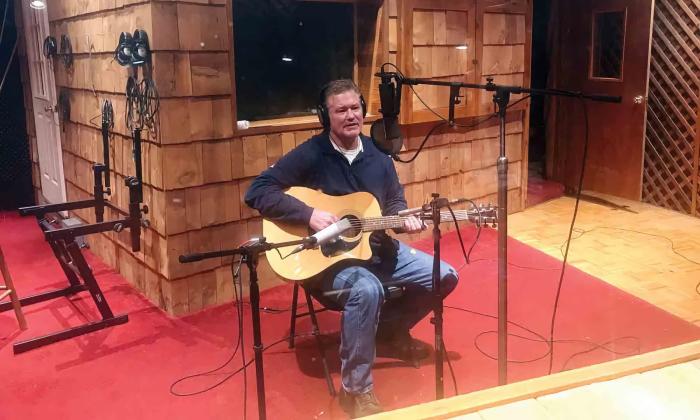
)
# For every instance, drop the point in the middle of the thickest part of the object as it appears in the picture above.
(8, 290)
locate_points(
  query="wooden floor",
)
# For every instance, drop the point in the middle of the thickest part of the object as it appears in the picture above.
(632, 250)
(668, 393)
(647, 251)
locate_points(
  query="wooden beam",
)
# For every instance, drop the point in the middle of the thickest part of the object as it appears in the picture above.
(533, 388)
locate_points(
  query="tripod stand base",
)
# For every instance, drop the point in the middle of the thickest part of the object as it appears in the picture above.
(33, 343)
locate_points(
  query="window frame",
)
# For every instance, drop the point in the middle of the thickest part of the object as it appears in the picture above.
(591, 49)
(309, 122)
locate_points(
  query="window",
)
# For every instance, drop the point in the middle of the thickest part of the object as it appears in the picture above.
(285, 51)
(608, 44)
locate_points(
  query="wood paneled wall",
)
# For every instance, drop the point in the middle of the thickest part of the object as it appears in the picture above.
(197, 166)
(190, 162)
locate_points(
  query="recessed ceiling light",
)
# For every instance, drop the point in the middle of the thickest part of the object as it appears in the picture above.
(37, 4)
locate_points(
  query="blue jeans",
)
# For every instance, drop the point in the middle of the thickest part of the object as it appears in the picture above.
(359, 291)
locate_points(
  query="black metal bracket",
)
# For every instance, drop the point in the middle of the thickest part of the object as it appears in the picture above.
(66, 249)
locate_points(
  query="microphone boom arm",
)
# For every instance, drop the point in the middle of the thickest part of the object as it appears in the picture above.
(501, 98)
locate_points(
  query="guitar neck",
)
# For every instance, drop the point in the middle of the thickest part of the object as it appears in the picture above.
(396, 222)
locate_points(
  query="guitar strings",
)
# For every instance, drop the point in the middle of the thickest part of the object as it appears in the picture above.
(389, 222)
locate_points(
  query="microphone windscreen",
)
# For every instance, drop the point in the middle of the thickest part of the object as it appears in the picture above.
(389, 143)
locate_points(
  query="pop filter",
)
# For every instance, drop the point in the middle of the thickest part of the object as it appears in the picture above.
(387, 137)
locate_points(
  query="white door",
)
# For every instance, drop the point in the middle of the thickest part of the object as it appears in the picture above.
(36, 29)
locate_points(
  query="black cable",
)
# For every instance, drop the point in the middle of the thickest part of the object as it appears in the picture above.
(459, 235)
(425, 140)
(673, 245)
(444, 121)
(239, 313)
(238, 304)
(524, 267)
(142, 104)
(149, 103)
(571, 229)
(542, 339)
(430, 133)
(578, 196)
(478, 348)
(132, 117)
(551, 340)
(229, 374)
(277, 311)
(603, 346)
(483, 120)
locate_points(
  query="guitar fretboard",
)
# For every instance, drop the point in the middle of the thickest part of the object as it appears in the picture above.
(395, 222)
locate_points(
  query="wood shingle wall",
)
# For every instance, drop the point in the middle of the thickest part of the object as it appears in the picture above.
(197, 166)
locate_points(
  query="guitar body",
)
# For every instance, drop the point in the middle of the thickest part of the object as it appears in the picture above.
(351, 245)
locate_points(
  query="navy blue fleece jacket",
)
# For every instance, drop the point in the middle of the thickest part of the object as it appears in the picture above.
(316, 164)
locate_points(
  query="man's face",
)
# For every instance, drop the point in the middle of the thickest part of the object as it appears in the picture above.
(345, 113)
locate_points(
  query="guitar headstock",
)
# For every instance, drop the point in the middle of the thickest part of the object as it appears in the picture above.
(485, 214)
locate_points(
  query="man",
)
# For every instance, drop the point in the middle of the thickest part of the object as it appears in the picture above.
(341, 161)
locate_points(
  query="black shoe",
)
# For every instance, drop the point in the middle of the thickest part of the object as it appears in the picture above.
(359, 405)
(400, 345)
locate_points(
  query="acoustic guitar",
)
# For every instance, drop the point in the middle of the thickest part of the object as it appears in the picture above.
(359, 213)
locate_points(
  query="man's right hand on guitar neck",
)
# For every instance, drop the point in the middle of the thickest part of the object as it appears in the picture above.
(321, 219)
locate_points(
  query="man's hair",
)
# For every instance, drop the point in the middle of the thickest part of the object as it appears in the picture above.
(336, 87)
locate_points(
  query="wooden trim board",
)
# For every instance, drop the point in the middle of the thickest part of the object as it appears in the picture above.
(537, 387)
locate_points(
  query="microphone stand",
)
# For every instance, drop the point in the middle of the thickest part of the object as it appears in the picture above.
(501, 98)
(437, 299)
(431, 211)
(249, 253)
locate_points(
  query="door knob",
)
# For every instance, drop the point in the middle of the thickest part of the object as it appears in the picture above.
(48, 108)
(638, 99)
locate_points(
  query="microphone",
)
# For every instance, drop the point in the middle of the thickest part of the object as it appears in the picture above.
(385, 132)
(323, 236)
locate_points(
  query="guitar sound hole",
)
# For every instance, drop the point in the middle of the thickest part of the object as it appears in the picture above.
(345, 242)
(356, 228)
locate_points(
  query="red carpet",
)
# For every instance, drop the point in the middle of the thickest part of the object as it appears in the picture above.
(126, 371)
(540, 190)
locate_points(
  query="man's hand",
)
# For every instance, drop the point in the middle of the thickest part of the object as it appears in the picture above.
(412, 225)
(321, 219)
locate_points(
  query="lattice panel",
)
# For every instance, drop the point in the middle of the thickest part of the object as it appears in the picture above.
(670, 163)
